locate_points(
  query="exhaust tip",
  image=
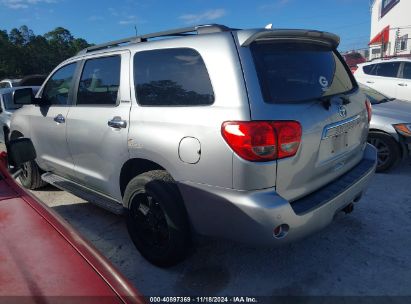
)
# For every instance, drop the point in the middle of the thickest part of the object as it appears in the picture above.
(349, 208)
(281, 231)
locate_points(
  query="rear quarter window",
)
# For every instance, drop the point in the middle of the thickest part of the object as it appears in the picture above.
(292, 72)
(172, 77)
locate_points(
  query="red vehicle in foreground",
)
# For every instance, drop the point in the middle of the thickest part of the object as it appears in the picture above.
(44, 260)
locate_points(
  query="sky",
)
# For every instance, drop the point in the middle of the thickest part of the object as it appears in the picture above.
(100, 21)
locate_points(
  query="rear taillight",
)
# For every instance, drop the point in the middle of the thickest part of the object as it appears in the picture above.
(369, 109)
(262, 140)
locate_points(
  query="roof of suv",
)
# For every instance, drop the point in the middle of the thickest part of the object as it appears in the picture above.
(245, 37)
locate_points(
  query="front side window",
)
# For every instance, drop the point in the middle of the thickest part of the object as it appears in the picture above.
(387, 69)
(172, 77)
(292, 72)
(100, 81)
(56, 91)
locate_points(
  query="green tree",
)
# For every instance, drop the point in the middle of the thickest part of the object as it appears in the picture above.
(23, 53)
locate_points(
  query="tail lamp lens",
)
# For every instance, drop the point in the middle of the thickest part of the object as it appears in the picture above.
(262, 140)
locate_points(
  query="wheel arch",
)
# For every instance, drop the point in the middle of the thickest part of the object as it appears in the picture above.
(402, 147)
(133, 167)
(15, 134)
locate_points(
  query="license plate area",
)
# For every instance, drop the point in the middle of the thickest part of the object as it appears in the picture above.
(339, 138)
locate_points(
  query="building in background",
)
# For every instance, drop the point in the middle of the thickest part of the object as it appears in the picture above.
(390, 28)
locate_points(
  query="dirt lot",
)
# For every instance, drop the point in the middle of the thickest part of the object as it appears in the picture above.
(365, 253)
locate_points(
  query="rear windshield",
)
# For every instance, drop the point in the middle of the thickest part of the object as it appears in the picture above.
(292, 72)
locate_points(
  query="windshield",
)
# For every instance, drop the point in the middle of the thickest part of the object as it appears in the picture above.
(296, 71)
(8, 102)
(374, 96)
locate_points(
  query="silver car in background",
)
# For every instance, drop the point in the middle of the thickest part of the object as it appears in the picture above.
(8, 107)
(390, 128)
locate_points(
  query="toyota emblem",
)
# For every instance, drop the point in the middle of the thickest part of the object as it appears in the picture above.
(342, 111)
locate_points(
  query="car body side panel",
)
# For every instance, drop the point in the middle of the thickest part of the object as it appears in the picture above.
(99, 151)
(156, 132)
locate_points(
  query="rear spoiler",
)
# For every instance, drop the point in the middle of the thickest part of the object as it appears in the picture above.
(265, 34)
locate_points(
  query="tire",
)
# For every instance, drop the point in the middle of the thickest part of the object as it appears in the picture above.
(157, 220)
(30, 178)
(388, 150)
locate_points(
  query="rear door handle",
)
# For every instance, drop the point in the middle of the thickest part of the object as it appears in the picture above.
(59, 119)
(369, 81)
(402, 84)
(117, 123)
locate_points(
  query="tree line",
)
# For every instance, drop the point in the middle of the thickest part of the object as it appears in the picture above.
(24, 53)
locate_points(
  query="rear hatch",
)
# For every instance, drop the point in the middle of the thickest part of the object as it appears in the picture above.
(303, 78)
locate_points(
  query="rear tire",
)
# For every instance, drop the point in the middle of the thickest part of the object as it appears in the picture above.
(30, 178)
(388, 150)
(157, 220)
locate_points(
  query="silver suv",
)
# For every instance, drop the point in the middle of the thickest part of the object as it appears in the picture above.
(254, 135)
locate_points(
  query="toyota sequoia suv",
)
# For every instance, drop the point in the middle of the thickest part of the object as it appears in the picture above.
(258, 135)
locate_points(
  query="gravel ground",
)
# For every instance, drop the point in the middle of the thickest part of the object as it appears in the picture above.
(365, 253)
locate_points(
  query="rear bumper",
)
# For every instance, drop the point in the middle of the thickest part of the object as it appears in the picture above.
(251, 216)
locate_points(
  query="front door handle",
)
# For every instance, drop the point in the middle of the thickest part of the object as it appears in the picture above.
(369, 81)
(59, 119)
(117, 123)
(402, 84)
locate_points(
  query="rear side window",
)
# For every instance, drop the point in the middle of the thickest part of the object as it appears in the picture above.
(100, 81)
(172, 77)
(369, 69)
(293, 72)
(407, 70)
(387, 69)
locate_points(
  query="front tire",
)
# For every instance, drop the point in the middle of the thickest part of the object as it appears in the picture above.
(157, 220)
(30, 177)
(388, 150)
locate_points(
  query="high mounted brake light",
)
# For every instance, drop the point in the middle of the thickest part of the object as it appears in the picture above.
(261, 141)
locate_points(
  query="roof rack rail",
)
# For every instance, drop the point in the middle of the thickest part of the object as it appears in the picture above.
(185, 31)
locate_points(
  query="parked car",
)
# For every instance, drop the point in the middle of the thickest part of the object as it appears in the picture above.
(353, 59)
(9, 83)
(42, 256)
(32, 80)
(254, 135)
(27, 81)
(391, 77)
(7, 108)
(390, 128)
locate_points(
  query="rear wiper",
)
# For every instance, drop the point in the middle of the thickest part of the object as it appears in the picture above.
(345, 100)
(326, 102)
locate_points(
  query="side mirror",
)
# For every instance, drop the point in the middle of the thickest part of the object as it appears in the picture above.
(20, 151)
(23, 96)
